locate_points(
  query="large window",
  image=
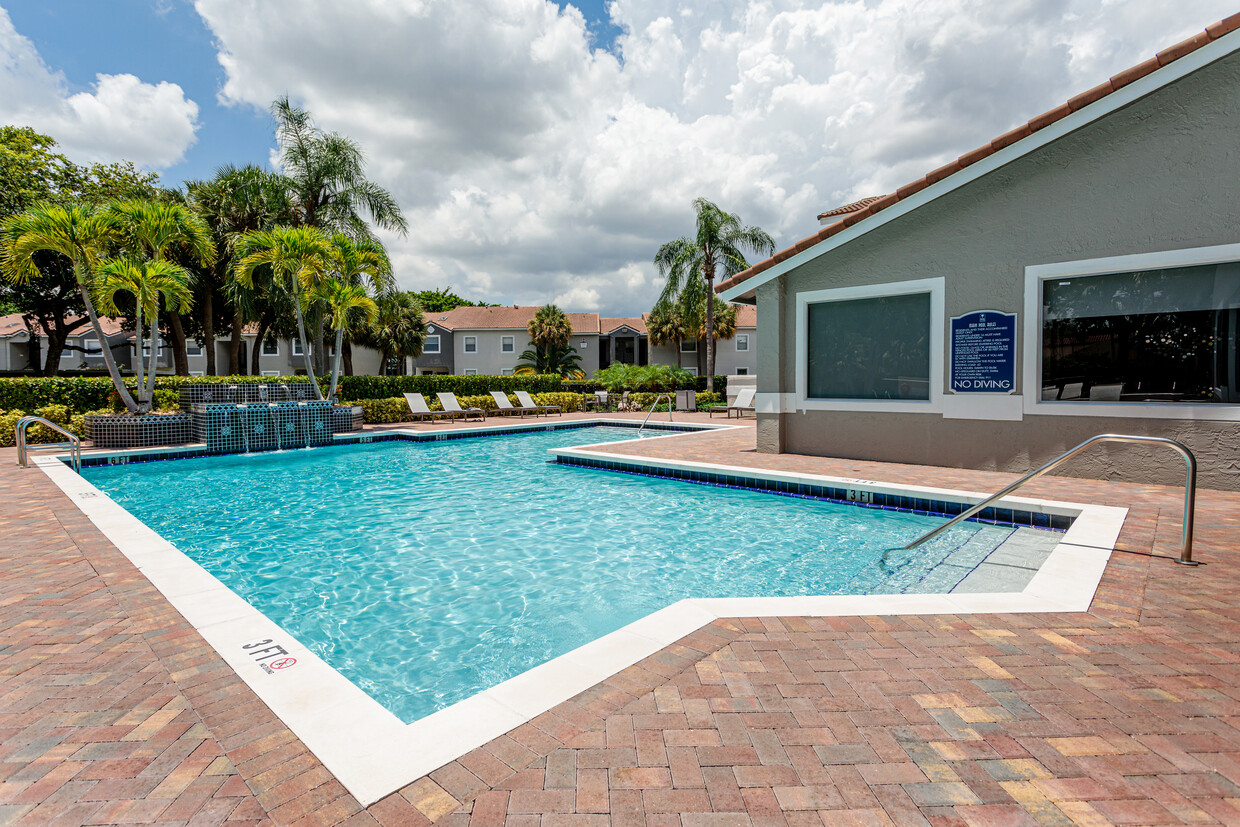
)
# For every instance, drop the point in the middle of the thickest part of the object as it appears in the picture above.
(742, 342)
(1164, 335)
(507, 344)
(471, 344)
(869, 348)
(432, 345)
(271, 347)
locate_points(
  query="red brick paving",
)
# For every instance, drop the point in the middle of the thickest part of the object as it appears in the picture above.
(113, 710)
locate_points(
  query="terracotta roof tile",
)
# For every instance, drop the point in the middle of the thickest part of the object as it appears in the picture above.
(637, 323)
(506, 318)
(850, 214)
(13, 324)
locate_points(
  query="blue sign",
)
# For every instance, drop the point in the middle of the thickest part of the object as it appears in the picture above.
(984, 352)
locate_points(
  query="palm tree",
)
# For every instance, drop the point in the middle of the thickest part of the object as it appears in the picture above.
(155, 228)
(398, 332)
(78, 234)
(347, 302)
(298, 258)
(326, 180)
(353, 262)
(714, 250)
(665, 325)
(556, 359)
(233, 202)
(148, 281)
(550, 328)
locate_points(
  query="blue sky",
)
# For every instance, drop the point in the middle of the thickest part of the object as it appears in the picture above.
(166, 40)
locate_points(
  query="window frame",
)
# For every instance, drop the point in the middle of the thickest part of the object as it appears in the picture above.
(465, 342)
(193, 343)
(262, 348)
(91, 346)
(742, 370)
(938, 322)
(298, 349)
(693, 349)
(740, 336)
(471, 372)
(1031, 352)
(435, 337)
(505, 372)
(510, 340)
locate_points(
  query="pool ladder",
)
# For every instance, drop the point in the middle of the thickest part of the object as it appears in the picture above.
(74, 443)
(1190, 488)
(655, 407)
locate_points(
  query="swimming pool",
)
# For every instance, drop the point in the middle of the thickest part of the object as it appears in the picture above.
(428, 571)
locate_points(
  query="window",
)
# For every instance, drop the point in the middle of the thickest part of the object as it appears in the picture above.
(271, 373)
(691, 371)
(742, 342)
(871, 347)
(507, 344)
(506, 372)
(471, 372)
(432, 345)
(271, 347)
(582, 345)
(196, 373)
(742, 371)
(471, 344)
(92, 346)
(192, 348)
(1142, 336)
(688, 347)
(297, 348)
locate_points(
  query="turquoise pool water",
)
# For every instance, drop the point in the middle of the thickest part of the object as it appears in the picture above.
(426, 572)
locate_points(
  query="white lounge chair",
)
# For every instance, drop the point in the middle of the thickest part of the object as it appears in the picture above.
(742, 404)
(528, 404)
(453, 408)
(506, 407)
(419, 408)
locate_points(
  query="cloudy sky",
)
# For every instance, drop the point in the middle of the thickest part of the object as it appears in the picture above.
(543, 151)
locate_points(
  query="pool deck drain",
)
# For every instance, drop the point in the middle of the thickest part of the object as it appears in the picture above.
(113, 709)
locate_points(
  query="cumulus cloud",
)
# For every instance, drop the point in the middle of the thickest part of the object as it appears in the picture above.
(121, 117)
(534, 167)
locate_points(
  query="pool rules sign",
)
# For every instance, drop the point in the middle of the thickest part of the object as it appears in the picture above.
(984, 352)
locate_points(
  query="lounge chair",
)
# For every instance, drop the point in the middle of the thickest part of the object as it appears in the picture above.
(505, 407)
(742, 404)
(528, 403)
(419, 408)
(453, 408)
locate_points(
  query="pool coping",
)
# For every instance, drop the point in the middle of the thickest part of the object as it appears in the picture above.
(373, 753)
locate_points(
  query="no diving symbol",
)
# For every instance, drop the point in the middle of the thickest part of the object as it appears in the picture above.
(283, 663)
(269, 655)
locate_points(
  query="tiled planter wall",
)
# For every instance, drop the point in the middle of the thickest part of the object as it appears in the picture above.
(124, 431)
(346, 419)
(227, 428)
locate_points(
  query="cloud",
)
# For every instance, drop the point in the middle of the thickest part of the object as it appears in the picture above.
(121, 117)
(533, 167)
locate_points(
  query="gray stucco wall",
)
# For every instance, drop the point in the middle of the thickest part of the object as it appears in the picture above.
(1160, 174)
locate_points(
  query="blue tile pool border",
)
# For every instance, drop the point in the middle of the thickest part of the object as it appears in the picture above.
(923, 506)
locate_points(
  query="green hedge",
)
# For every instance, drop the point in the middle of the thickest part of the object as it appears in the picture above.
(357, 388)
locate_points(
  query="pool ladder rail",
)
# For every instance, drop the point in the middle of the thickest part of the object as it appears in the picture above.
(654, 408)
(1190, 489)
(73, 443)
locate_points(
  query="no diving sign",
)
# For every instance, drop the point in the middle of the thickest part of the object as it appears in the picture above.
(983, 352)
(270, 656)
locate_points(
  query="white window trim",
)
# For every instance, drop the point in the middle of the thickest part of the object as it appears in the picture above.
(744, 368)
(199, 351)
(471, 371)
(684, 342)
(691, 371)
(1031, 376)
(298, 348)
(270, 373)
(465, 344)
(740, 336)
(938, 321)
(262, 349)
(197, 373)
(92, 347)
(506, 372)
(434, 338)
(503, 340)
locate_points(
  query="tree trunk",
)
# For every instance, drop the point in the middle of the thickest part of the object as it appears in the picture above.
(301, 330)
(383, 362)
(179, 359)
(319, 349)
(331, 393)
(207, 304)
(113, 371)
(55, 349)
(256, 356)
(152, 362)
(235, 368)
(710, 329)
(348, 358)
(137, 346)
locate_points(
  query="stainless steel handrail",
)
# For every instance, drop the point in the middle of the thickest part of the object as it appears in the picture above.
(654, 407)
(23, 451)
(1190, 489)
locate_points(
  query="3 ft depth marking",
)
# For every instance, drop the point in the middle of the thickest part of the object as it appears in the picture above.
(270, 656)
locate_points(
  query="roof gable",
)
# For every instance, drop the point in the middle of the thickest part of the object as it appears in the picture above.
(1120, 90)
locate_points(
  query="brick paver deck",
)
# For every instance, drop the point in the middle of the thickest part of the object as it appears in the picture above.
(114, 710)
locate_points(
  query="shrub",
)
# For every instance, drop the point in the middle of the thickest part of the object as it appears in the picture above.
(387, 387)
(568, 402)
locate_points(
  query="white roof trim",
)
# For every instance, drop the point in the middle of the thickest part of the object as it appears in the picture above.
(1095, 111)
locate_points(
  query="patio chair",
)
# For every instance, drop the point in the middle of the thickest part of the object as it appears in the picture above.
(419, 408)
(528, 403)
(453, 408)
(505, 407)
(742, 404)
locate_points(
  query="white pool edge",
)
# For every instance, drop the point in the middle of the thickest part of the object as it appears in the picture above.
(373, 753)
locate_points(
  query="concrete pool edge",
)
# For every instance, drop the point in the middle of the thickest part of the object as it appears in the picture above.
(373, 753)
